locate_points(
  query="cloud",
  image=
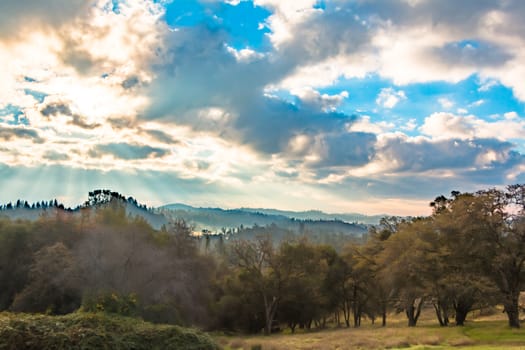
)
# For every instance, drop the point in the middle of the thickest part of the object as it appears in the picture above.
(314, 99)
(207, 95)
(389, 98)
(121, 90)
(63, 109)
(447, 125)
(130, 82)
(364, 124)
(420, 155)
(160, 136)
(54, 109)
(56, 156)
(405, 42)
(17, 16)
(12, 133)
(445, 103)
(127, 151)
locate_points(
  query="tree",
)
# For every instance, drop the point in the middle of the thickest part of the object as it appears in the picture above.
(459, 283)
(259, 270)
(303, 269)
(492, 233)
(15, 258)
(52, 285)
(403, 266)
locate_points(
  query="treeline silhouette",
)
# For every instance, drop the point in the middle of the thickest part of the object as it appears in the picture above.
(469, 254)
(96, 197)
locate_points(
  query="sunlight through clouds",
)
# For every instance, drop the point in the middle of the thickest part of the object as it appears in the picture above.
(327, 104)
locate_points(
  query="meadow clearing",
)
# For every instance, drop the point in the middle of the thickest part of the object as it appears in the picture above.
(480, 333)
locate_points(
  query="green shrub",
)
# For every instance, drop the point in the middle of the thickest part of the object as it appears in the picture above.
(85, 331)
(125, 305)
(161, 313)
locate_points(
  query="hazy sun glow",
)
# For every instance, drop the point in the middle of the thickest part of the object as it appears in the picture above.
(338, 106)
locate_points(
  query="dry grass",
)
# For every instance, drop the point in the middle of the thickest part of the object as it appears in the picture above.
(484, 334)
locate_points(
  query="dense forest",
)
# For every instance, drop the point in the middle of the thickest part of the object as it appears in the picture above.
(469, 254)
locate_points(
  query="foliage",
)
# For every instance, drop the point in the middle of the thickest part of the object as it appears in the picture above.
(94, 331)
(125, 305)
(469, 254)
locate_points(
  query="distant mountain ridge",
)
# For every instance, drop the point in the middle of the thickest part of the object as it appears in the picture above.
(320, 215)
(301, 215)
(217, 220)
(209, 220)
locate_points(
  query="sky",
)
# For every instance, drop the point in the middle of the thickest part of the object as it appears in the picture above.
(365, 106)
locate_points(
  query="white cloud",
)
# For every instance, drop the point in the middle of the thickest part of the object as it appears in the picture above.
(446, 126)
(389, 98)
(315, 99)
(477, 103)
(245, 55)
(445, 103)
(487, 84)
(364, 124)
(410, 125)
(328, 71)
(286, 17)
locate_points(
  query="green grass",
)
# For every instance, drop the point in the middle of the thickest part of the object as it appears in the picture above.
(86, 331)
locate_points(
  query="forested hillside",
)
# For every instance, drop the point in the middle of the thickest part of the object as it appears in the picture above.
(469, 254)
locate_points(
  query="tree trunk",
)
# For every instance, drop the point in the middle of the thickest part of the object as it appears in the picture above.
(512, 310)
(441, 313)
(413, 310)
(438, 314)
(346, 313)
(357, 315)
(269, 313)
(383, 319)
(460, 318)
(337, 319)
(462, 307)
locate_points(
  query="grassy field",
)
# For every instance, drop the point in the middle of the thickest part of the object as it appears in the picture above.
(86, 331)
(489, 333)
(101, 331)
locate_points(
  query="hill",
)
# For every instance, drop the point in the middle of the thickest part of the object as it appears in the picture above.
(217, 220)
(208, 220)
(32, 211)
(320, 215)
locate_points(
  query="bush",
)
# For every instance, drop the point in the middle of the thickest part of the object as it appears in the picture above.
(166, 313)
(95, 331)
(125, 305)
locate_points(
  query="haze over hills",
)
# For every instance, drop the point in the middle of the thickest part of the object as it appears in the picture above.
(243, 221)
(216, 220)
(300, 215)
(22, 210)
(320, 215)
